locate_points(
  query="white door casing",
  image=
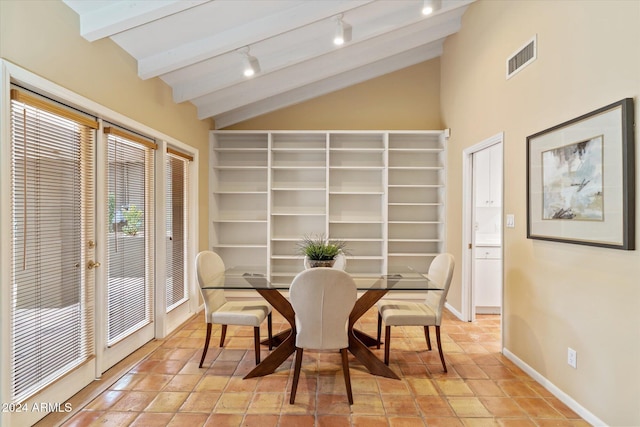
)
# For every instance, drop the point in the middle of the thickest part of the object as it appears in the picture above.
(468, 219)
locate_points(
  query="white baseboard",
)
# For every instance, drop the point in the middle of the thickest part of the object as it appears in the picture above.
(454, 311)
(561, 395)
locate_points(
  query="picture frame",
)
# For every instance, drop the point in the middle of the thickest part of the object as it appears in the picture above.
(581, 179)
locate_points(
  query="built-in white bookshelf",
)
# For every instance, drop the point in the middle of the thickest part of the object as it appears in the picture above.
(380, 191)
(239, 194)
(357, 197)
(416, 176)
(298, 197)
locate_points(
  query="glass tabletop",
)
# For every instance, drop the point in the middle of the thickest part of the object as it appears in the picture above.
(399, 279)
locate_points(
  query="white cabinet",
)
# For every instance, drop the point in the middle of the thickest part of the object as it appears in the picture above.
(488, 176)
(488, 272)
(381, 192)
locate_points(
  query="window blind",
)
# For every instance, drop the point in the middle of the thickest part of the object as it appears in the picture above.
(52, 200)
(177, 215)
(180, 154)
(130, 242)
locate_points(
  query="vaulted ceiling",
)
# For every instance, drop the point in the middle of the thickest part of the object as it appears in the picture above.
(199, 47)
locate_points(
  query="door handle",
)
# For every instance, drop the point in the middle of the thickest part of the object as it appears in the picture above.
(92, 264)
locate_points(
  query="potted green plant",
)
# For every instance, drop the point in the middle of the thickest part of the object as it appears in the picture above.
(320, 251)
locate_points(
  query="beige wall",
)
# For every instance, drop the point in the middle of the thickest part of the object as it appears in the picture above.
(556, 295)
(405, 99)
(44, 37)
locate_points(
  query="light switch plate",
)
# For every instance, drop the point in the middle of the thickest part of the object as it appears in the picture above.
(511, 221)
(572, 358)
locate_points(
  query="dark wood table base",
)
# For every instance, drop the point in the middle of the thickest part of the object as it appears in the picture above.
(285, 341)
(359, 342)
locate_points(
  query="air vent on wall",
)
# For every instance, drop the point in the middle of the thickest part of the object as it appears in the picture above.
(522, 57)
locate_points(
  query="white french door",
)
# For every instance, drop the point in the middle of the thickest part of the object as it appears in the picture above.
(128, 273)
(78, 251)
(177, 236)
(51, 354)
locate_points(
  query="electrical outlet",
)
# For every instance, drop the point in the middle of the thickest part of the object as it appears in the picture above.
(572, 358)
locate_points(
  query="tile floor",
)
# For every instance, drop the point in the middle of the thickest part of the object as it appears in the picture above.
(482, 388)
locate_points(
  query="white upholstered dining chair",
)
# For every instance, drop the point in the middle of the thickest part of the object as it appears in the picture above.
(322, 299)
(427, 313)
(210, 272)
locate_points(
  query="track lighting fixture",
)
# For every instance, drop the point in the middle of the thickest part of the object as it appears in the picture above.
(343, 32)
(430, 6)
(250, 63)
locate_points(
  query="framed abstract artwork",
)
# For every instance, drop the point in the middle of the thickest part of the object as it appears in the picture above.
(581, 180)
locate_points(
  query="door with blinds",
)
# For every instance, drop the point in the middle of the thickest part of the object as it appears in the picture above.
(177, 215)
(51, 311)
(129, 164)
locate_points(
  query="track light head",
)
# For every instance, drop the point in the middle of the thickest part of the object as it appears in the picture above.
(251, 66)
(343, 32)
(250, 63)
(430, 6)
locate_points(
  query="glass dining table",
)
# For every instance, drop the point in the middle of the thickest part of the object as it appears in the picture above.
(372, 288)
